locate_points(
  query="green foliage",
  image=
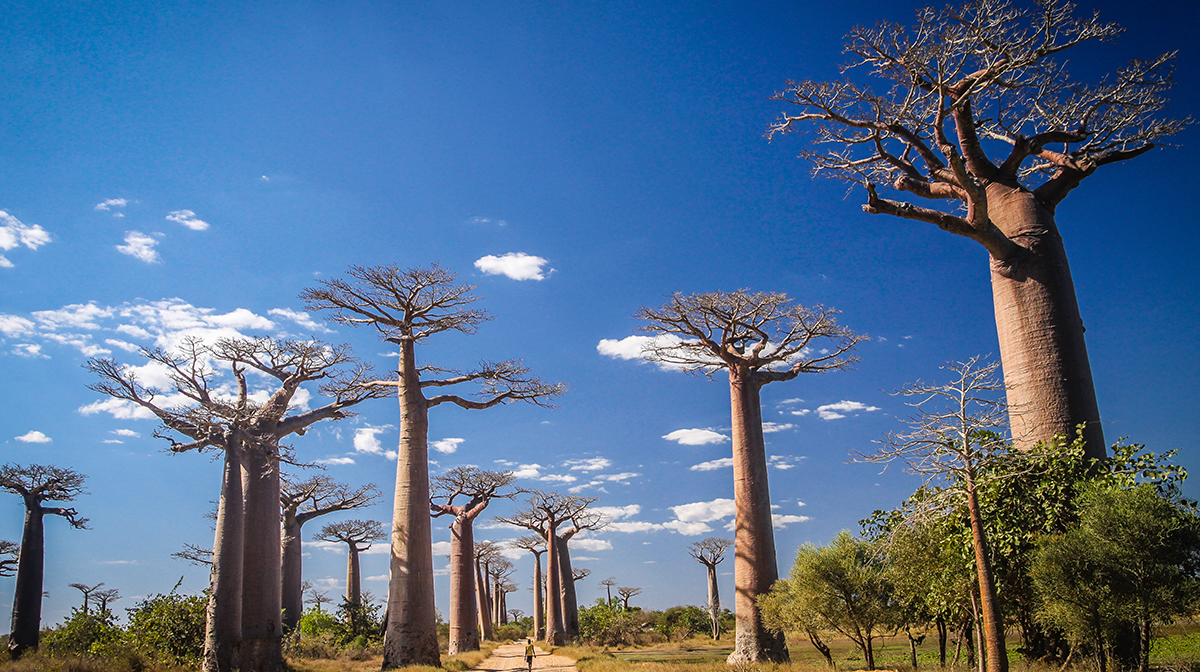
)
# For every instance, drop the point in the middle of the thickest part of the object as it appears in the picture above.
(314, 623)
(682, 622)
(358, 624)
(169, 627)
(607, 624)
(83, 634)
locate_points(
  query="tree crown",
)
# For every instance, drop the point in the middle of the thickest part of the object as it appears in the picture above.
(353, 532)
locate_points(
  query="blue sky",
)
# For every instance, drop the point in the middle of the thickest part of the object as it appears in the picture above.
(193, 166)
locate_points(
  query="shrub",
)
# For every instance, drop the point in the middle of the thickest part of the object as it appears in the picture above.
(169, 627)
(83, 634)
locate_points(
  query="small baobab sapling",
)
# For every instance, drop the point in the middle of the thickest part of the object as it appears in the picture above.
(36, 484)
(407, 306)
(358, 535)
(627, 593)
(710, 552)
(537, 546)
(466, 492)
(758, 338)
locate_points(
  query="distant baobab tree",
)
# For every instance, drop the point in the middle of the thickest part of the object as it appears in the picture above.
(358, 535)
(710, 552)
(105, 597)
(87, 592)
(515, 615)
(244, 630)
(537, 546)
(500, 569)
(759, 338)
(407, 306)
(959, 84)
(8, 557)
(474, 489)
(486, 552)
(302, 501)
(608, 584)
(318, 597)
(626, 593)
(36, 484)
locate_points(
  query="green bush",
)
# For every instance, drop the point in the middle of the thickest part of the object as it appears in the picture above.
(169, 627)
(607, 624)
(682, 622)
(314, 623)
(83, 634)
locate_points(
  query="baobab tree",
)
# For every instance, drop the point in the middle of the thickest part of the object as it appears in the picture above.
(503, 589)
(358, 535)
(318, 597)
(486, 552)
(626, 593)
(36, 484)
(300, 502)
(87, 593)
(582, 520)
(8, 557)
(105, 597)
(986, 78)
(608, 584)
(759, 338)
(244, 630)
(499, 571)
(478, 487)
(537, 546)
(407, 306)
(542, 514)
(710, 552)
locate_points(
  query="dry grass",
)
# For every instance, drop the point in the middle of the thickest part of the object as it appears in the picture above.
(459, 663)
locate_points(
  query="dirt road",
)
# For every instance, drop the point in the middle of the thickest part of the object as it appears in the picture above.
(512, 657)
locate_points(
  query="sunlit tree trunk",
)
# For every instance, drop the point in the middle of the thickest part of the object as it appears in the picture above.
(262, 624)
(482, 604)
(223, 626)
(539, 613)
(464, 620)
(714, 601)
(353, 576)
(27, 598)
(570, 605)
(993, 621)
(291, 569)
(554, 579)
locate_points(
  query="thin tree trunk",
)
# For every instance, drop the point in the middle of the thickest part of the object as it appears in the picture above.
(942, 633)
(539, 618)
(1144, 643)
(993, 622)
(503, 608)
(464, 626)
(223, 617)
(754, 566)
(820, 646)
(554, 627)
(411, 637)
(870, 652)
(27, 598)
(261, 648)
(570, 604)
(1046, 368)
(481, 601)
(353, 576)
(714, 601)
(291, 572)
(912, 649)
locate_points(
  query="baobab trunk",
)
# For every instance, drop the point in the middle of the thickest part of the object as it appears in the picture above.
(1042, 349)
(223, 617)
(291, 568)
(27, 600)
(554, 579)
(570, 604)
(481, 603)
(754, 542)
(993, 646)
(464, 621)
(714, 601)
(353, 577)
(411, 637)
(539, 619)
(261, 649)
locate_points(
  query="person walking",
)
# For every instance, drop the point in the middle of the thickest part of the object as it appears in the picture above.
(529, 653)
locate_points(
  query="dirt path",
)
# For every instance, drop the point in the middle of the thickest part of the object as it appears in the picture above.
(512, 657)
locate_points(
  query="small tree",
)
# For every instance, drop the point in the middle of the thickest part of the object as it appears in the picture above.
(107, 597)
(627, 593)
(170, 627)
(318, 597)
(537, 546)
(608, 584)
(36, 484)
(759, 338)
(87, 593)
(358, 535)
(407, 306)
(710, 552)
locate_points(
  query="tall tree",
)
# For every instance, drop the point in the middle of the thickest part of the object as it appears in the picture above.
(244, 629)
(407, 306)
(608, 584)
(710, 552)
(486, 552)
(358, 535)
(759, 338)
(500, 570)
(301, 501)
(36, 484)
(582, 520)
(627, 593)
(537, 546)
(986, 78)
(478, 488)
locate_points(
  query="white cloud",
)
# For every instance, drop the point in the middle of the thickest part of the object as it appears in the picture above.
(33, 437)
(633, 526)
(640, 347)
(589, 464)
(618, 478)
(301, 318)
(30, 350)
(589, 544)
(802, 412)
(125, 432)
(487, 220)
(118, 408)
(772, 427)
(527, 471)
(687, 529)
(74, 316)
(13, 326)
(781, 521)
(111, 203)
(140, 246)
(793, 400)
(705, 512)
(112, 441)
(441, 548)
(382, 577)
(188, 219)
(559, 478)
(366, 441)
(446, 446)
(124, 345)
(618, 512)
(335, 460)
(584, 558)
(838, 410)
(695, 437)
(711, 465)
(14, 233)
(784, 461)
(514, 265)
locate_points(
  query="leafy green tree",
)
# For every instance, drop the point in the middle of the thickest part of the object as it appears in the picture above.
(84, 633)
(608, 623)
(682, 622)
(169, 627)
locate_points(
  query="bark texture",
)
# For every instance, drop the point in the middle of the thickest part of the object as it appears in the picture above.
(262, 623)
(223, 615)
(464, 619)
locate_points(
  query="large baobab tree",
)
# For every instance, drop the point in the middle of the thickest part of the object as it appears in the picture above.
(478, 488)
(582, 520)
(407, 306)
(976, 111)
(542, 514)
(36, 484)
(627, 593)
(244, 629)
(358, 535)
(759, 338)
(710, 552)
(301, 501)
(537, 546)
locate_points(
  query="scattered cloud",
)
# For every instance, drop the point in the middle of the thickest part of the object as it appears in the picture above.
(301, 318)
(117, 408)
(13, 326)
(124, 345)
(633, 526)
(802, 412)
(618, 512)
(125, 432)
(618, 478)
(590, 544)
(793, 400)
(140, 246)
(583, 558)
(30, 350)
(772, 427)
(527, 470)
(446, 446)
(559, 478)
(641, 348)
(441, 548)
(14, 233)
(588, 464)
(366, 441)
(784, 461)
(781, 521)
(110, 203)
(33, 437)
(712, 465)
(687, 529)
(487, 220)
(188, 219)
(514, 265)
(838, 410)
(334, 461)
(704, 512)
(112, 441)
(695, 437)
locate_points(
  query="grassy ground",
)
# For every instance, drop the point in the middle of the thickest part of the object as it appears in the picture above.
(459, 663)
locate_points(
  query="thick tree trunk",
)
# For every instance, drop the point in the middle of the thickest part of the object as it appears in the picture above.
(482, 605)
(714, 601)
(353, 576)
(223, 626)
(261, 649)
(503, 608)
(464, 621)
(993, 623)
(411, 637)
(570, 603)
(1046, 369)
(27, 599)
(554, 626)
(291, 572)
(539, 618)
(754, 566)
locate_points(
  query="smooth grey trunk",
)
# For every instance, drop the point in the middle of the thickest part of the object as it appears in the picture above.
(755, 569)
(464, 620)
(353, 576)
(554, 579)
(503, 608)
(1042, 348)
(261, 648)
(223, 616)
(411, 637)
(570, 604)
(539, 617)
(27, 599)
(481, 601)
(714, 601)
(291, 571)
